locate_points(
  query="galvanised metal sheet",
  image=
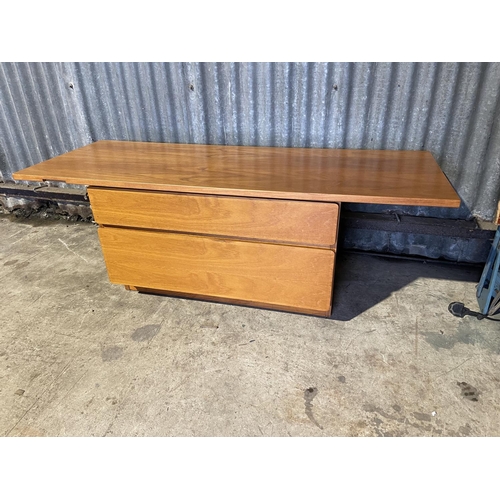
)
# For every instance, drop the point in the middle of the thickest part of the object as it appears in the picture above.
(450, 109)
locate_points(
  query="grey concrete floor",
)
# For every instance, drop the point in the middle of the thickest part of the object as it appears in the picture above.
(82, 357)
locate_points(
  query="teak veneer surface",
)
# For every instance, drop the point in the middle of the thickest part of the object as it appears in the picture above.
(294, 222)
(341, 175)
(297, 278)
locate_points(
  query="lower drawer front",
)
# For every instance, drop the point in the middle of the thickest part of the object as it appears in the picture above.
(294, 278)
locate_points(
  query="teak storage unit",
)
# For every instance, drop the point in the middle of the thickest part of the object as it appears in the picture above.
(238, 224)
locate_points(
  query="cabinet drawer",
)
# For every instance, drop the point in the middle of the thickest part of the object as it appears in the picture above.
(295, 222)
(279, 276)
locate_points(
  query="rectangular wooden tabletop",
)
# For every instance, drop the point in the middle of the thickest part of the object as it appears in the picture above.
(342, 175)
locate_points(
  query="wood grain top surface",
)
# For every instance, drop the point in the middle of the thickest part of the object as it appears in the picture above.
(342, 175)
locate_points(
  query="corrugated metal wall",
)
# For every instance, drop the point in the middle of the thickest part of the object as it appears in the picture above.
(450, 109)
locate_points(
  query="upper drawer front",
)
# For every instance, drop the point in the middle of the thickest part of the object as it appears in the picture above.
(294, 222)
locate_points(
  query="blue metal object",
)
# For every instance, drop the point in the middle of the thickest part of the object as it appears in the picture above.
(488, 290)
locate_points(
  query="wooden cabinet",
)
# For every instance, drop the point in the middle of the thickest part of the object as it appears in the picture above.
(245, 225)
(253, 251)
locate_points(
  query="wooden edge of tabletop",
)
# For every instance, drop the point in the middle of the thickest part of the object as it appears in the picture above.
(452, 202)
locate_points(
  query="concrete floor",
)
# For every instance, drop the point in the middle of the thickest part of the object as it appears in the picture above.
(82, 357)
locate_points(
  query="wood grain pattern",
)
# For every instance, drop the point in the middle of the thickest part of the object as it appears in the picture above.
(298, 278)
(338, 175)
(299, 222)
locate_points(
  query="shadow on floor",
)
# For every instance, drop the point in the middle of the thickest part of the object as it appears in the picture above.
(362, 281)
